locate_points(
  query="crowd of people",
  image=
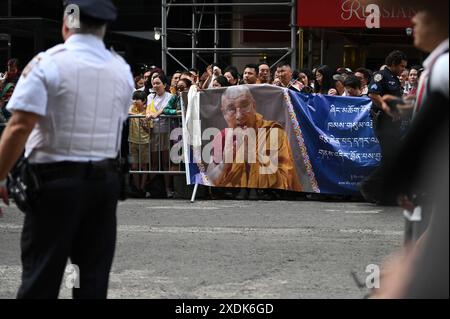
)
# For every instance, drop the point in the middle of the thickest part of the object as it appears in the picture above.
(156, 104)
(156, 98)
(8, 81)
(341, 81)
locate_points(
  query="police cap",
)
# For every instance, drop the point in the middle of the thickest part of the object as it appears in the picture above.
(101, 10)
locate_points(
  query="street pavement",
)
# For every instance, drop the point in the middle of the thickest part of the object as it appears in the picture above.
(233, 249)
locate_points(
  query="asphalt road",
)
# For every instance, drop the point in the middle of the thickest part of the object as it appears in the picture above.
(233, 249)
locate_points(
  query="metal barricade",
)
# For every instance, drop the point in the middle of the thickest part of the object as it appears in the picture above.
(156, 149)
(157, 154)
(164, 150)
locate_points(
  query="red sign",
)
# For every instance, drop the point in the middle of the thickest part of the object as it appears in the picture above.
(349, 14)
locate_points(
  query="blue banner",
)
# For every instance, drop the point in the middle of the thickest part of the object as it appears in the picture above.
(322, 144)
(339, 140)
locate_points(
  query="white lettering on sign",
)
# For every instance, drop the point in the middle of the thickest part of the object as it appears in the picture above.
(355, 9)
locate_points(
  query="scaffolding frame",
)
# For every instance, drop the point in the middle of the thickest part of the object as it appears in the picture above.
(196, 28)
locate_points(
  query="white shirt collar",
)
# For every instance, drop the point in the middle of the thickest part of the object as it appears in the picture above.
(85, 41)
(436, 53)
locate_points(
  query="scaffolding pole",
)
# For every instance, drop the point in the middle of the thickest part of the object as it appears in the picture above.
(215, 49)
(194, 36)
(216, 34)
(293, 35)
(9, 35)
(163, 35)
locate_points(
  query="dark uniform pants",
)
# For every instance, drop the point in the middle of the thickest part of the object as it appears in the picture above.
(389, 135)
(74, 217)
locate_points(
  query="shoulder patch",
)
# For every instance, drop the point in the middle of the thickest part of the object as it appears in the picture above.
(35, 61)
(43, 55)
(378, 77)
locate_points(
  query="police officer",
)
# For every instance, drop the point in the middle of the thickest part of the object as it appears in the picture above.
(387, 125)
(68, 108)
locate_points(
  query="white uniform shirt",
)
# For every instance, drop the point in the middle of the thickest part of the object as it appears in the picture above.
(82, 92)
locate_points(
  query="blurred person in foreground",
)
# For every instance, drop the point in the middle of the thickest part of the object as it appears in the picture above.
(422, 164)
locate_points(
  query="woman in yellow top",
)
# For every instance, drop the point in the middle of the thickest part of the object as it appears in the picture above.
(139, 140)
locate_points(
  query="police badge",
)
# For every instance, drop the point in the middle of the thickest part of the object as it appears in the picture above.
(378, 77)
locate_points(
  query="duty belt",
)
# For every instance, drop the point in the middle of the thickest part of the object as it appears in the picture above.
(79, 170)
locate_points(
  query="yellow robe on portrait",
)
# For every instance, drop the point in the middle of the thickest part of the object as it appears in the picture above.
(245, 175)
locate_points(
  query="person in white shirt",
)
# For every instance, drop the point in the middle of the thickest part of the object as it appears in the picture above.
(69, 107)
(160, 134)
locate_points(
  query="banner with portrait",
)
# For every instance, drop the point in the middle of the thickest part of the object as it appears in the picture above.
(262, 136)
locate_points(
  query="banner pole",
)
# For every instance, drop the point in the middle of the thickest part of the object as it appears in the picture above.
(194, 193)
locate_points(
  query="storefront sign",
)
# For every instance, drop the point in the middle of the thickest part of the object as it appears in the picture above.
(349, 14)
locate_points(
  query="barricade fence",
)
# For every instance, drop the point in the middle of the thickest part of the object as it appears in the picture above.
(154, 151)
(155, 146)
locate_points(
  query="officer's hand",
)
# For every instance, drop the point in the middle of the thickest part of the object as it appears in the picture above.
(4, 197)
(407, 108)
(392, 112)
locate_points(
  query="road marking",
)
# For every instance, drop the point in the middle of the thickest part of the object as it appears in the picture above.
(232, 230)
(214, 230)
(10, 226)
(354, 211)
(372, 232)
(364, 212)
(186, 208)
(249, 230)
